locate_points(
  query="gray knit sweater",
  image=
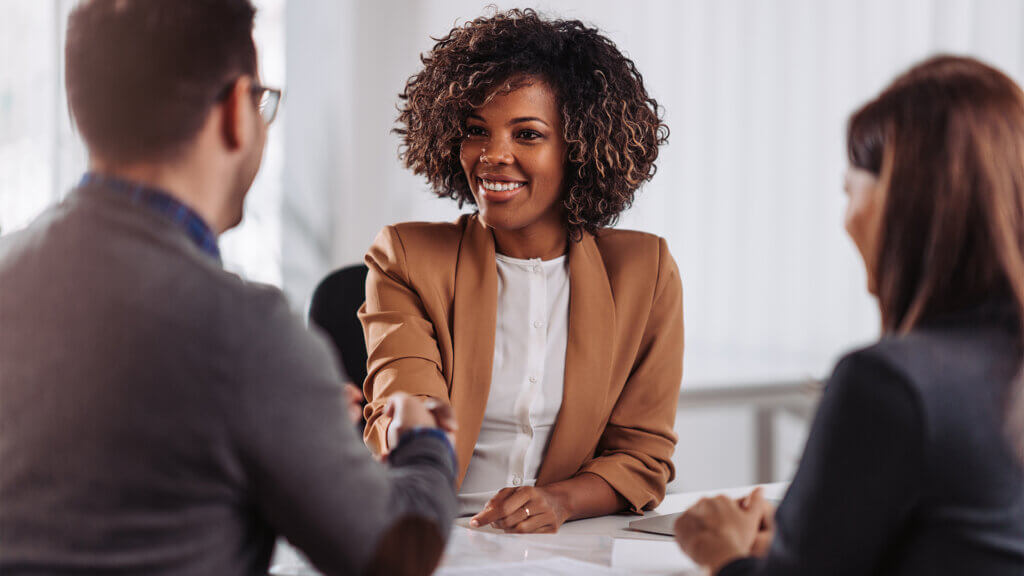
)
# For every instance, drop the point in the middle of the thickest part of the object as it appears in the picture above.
(161, 416)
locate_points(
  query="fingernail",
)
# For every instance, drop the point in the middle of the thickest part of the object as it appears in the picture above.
(474, 522)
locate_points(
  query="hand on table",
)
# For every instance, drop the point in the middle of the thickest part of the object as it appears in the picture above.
(718, 530)
(523, 510)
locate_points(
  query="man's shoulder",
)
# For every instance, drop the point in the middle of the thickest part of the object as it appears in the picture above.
(246, 308)
(114, 252)
(263, 301)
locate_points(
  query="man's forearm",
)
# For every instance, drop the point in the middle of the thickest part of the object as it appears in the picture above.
(423, 471)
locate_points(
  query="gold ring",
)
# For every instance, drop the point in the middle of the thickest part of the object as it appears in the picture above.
(527, 511)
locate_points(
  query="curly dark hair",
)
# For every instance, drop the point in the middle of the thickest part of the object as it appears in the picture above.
(612, 126)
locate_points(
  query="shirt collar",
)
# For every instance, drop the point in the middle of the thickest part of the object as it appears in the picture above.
(161, 203)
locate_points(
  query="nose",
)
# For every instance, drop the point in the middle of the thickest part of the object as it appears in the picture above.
(496, 152)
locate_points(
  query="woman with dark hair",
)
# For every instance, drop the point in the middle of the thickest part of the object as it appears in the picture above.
(557, 340)
(909, 468)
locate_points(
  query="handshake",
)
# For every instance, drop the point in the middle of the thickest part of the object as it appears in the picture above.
(406, 413)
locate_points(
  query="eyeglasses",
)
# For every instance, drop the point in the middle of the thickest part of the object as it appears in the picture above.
(268, 100)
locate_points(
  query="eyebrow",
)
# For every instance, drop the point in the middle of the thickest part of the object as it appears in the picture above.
(519, 120)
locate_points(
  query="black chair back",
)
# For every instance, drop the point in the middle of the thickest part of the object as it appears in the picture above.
(335, 303)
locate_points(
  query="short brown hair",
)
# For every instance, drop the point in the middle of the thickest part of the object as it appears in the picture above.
(612, 126)
(142, 75)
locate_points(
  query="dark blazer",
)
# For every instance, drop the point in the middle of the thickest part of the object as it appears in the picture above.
(909, 469)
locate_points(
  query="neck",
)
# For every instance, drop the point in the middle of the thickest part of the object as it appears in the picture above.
(177, 182)
(537, 241)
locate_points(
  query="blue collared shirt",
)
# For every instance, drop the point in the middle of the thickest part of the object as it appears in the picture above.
(163, 204)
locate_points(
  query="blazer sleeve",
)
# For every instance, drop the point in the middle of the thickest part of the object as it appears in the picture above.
(401, 346)
(634, 453)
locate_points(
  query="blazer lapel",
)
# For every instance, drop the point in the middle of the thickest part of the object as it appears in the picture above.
(475, 318)
(588, 361)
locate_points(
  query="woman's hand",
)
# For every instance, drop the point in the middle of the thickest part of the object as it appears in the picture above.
(718, 530)
(766, 531)
(354, 403)
(409, 412)
(524, 510)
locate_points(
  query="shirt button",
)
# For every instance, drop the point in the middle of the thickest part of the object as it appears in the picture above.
(516, 480)
(533, 379)
(536, 269)
(538, 324)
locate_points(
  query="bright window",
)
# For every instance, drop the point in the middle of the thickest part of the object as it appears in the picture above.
(41, 158)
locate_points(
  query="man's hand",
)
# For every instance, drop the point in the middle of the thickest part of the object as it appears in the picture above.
(444, 417)
(523, 510)
(718, 530)
(407, 412)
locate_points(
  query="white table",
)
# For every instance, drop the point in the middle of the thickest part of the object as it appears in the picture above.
(594, 547)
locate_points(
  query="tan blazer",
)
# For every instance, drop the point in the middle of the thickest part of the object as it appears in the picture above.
(429, 321)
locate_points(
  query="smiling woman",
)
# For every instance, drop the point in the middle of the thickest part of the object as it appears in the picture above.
(612, 127)
(514, 159)
(557, 341)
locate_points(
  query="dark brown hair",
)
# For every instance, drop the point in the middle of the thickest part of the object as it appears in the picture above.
(142, 75)
(946, 139)
(947, 142)
(612, 126)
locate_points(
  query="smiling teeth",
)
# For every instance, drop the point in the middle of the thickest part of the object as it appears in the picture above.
(499, 186)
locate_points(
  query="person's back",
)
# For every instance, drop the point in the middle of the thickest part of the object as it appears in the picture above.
(909, 467)
(159, 415)
(121, 400)
(967, 513)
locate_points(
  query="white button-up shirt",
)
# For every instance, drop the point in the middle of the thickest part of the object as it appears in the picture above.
(527, 378)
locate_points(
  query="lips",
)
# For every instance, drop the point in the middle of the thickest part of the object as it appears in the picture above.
(503, 190)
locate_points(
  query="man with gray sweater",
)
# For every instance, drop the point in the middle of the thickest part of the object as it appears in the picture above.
(157, 414)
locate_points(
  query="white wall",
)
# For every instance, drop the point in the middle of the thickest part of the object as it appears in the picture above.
(748, 192)
(42, 157)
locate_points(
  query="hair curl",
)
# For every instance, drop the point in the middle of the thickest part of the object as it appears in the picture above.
(612, 126)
